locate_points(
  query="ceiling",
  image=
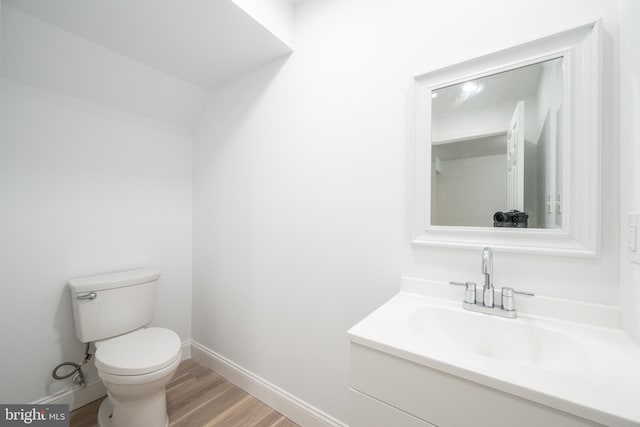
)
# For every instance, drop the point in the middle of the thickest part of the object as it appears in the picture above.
(491, 145)
(203, 42)
(486, 92)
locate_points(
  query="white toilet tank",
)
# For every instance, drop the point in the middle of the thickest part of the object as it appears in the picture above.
(113, 304)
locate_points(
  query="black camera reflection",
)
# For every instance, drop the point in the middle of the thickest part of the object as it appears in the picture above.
(512, 218)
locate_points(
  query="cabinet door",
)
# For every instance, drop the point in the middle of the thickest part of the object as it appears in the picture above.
(446, 400)
(369, 412)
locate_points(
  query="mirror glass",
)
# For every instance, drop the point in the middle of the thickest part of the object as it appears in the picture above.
(496, 149)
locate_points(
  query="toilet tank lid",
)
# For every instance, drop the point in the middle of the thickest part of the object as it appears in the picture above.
(113, 280)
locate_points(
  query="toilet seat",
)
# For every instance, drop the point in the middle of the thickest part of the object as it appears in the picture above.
(138, 380)
(138, 353)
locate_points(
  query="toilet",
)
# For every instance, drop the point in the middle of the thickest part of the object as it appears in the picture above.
(135, 362)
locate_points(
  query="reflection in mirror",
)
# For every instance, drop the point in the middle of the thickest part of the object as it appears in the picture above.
(497, 149)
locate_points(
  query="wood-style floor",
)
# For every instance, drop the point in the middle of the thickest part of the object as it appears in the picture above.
(198, 397)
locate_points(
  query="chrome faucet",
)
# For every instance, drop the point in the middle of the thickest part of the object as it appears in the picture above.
(487, 270)
(487, 306)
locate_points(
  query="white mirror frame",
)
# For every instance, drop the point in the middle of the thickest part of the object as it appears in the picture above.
(581, 50)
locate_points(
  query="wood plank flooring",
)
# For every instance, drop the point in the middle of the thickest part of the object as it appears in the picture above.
(198, 397)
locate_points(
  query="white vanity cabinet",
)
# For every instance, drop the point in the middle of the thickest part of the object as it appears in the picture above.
(422, 360)
(388, 391)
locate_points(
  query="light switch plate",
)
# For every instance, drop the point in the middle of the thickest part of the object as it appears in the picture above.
(633, 223)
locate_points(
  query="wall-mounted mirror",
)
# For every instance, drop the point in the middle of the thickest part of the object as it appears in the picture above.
(496, 147)
(507, 148)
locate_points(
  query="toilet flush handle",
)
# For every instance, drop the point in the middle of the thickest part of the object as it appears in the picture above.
(90, 295)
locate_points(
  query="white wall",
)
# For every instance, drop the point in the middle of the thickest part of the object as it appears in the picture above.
(299, 212)
(469, 191)
(85, 190)
(629, 157)
(90, 182)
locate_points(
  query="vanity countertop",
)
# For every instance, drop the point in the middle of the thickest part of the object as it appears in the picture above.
(600, 382)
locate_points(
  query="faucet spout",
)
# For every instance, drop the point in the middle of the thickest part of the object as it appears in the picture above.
(487, 270)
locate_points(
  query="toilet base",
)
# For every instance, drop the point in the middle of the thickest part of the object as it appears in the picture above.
(105, 413)
(137, 400)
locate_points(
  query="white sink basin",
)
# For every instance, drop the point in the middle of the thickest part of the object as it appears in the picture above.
(569, 355)
(516, 341)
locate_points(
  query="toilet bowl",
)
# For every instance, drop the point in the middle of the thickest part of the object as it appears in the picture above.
(135, 362)
(135, 368)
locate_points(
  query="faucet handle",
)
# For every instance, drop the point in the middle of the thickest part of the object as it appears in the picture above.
(458, 283)
(507, 297)
(470, 293)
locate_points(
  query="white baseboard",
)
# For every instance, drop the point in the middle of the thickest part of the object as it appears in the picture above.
(77, 396)
(288, 405)
(186, 350)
